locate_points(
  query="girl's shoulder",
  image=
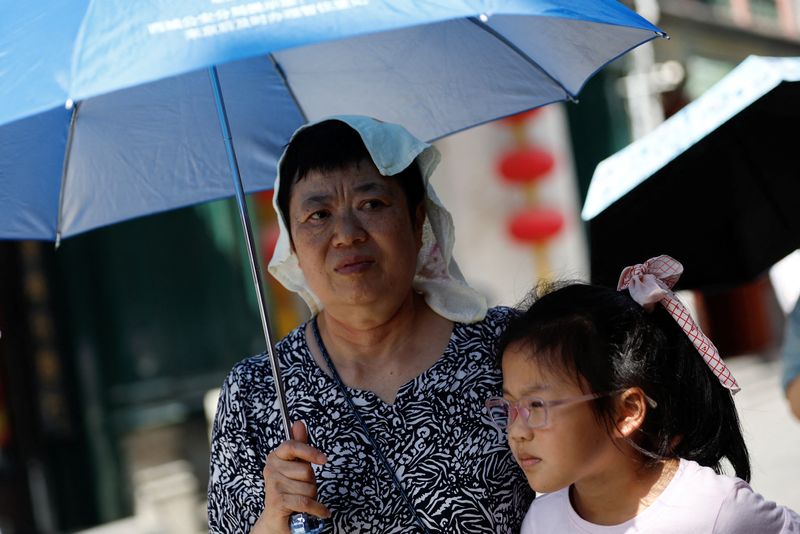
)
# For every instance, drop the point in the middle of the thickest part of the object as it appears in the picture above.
(707, 480)
(696, 500)
(736, 507)
(744, 511)
(548, 514)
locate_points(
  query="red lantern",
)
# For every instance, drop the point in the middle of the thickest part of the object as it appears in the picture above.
(521, 117)
(536, 225)
(525, 165)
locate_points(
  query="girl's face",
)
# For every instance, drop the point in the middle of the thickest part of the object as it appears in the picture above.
(573, 447)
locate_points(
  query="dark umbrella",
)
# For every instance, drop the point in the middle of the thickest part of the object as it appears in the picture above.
(716, 186)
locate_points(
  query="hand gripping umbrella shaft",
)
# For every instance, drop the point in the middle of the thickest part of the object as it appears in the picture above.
(299, 523)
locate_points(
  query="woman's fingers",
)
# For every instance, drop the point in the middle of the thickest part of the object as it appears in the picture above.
(277, 467)
(285, 496)
(295, 450)
(300, 499)
(289, 482)
(299, 432)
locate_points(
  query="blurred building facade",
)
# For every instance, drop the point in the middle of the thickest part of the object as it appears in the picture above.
(709, 37)
(108, 348)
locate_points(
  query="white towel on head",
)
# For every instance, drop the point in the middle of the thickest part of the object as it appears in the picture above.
(438, 277)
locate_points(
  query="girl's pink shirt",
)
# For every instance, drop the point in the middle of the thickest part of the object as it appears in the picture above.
(696, 500)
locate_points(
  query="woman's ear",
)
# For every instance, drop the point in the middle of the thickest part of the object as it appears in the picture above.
(631, 411)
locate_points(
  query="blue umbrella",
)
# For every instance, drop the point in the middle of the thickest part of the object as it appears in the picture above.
(122, 147)
(107, 114)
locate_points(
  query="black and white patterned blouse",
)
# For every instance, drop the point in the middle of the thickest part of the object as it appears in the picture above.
(455, 467)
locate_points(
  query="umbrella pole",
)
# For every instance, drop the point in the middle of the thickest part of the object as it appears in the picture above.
(299, 523)
(251, 249)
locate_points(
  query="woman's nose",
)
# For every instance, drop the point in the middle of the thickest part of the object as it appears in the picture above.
(348, 230)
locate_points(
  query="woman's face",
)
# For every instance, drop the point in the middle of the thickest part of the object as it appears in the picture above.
(353, 237)
(573, 447)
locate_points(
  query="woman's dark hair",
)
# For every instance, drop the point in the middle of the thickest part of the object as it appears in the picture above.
(603, 339)
(330, 146)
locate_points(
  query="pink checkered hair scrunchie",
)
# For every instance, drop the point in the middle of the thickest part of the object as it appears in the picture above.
(651, 282)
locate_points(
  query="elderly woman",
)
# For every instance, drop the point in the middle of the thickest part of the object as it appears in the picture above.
(390, 374)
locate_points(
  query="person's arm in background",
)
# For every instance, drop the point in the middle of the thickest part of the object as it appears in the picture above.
(791, 360)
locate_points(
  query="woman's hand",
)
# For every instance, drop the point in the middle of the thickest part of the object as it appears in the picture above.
(289, 483)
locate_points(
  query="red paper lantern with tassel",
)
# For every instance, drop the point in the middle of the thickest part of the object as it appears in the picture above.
(536, 225)
(525, 165)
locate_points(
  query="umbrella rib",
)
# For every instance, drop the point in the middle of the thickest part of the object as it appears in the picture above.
(285, 81)
(64, 168)
(523, 55)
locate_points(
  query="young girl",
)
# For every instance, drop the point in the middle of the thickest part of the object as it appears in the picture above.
(619, 408)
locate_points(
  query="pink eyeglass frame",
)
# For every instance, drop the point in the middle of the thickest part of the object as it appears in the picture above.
(517, 407)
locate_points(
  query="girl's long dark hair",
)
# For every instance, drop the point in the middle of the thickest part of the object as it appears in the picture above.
(604, 340)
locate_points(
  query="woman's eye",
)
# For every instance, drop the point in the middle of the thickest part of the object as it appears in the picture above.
(373, 204)
(318, 215)
(536, 404)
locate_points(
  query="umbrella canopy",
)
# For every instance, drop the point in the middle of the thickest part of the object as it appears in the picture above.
(716, 186)
(138, 134)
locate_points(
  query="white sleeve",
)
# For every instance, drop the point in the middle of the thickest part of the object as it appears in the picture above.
(744, 511)
(529, 523)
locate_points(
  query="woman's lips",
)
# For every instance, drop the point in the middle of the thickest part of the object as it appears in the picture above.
(354, 265)
(528, 461)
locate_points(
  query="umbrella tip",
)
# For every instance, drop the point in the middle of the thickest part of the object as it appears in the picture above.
(58, 240)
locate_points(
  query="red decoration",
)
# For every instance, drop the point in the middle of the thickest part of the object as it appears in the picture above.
(536, 225)
(525, 165)
(269, 238)
(264, 198)
(522, 117)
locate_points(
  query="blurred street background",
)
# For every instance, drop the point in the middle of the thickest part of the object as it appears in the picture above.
(112, 347)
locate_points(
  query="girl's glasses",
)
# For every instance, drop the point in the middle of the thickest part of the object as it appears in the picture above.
(534, 410)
